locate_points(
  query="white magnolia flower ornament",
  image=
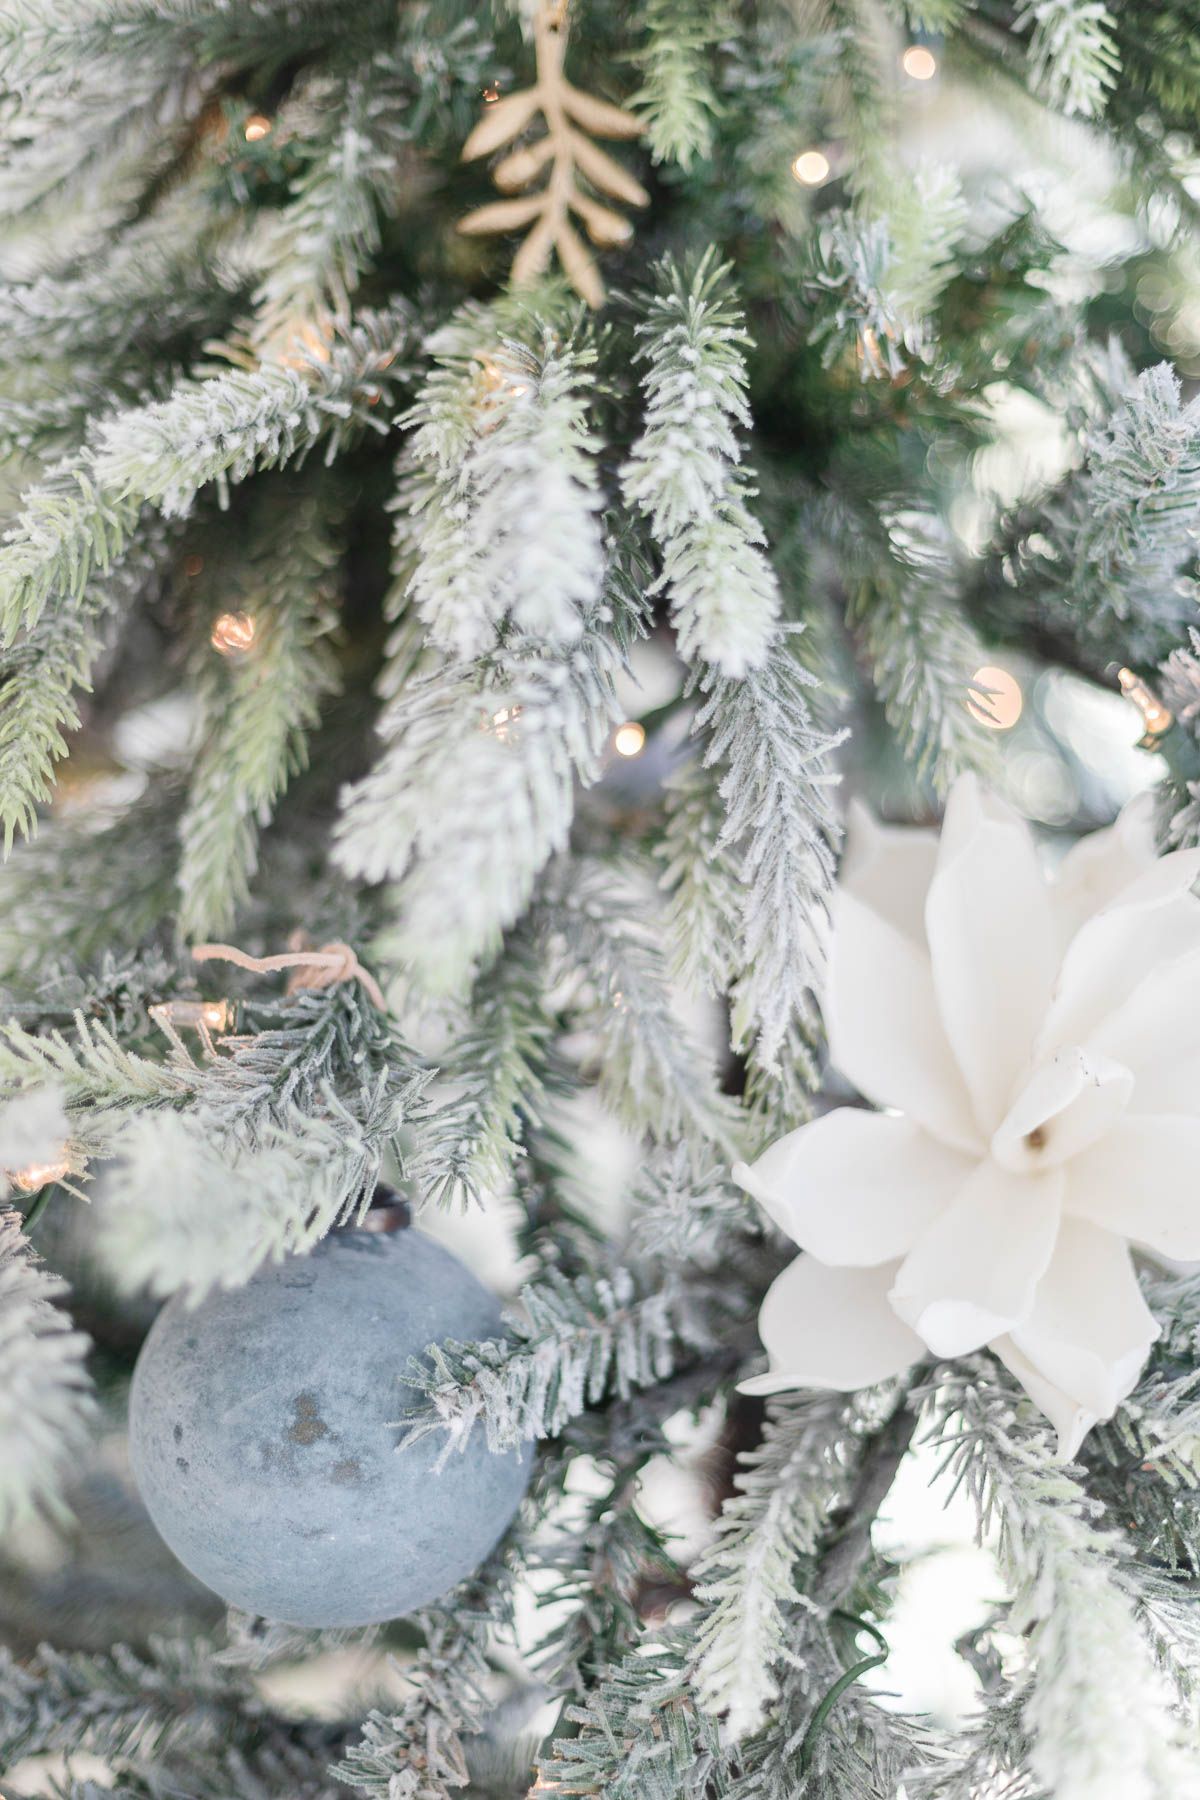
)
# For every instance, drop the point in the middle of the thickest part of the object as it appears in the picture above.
(1037, 1046)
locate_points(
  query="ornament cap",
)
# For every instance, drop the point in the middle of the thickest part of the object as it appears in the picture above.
(387, 1212)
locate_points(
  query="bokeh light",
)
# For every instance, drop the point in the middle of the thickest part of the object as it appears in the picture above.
(233, 633)
(994, 698)
(919, 63)
(811, 168)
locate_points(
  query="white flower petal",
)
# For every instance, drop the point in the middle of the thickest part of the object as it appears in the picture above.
(889, 868)
(1156, 1034)
(1153, 921)
(1100, 865)
(974, 1273)
(1090, 1330)
(1143, 1181)
(1070, 1420)
(885, 1034)
(855, 1188)
(831, 1328)
(1064, 1106)
(993, 944)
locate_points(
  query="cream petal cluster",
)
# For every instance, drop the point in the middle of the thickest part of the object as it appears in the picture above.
(1036, 1044)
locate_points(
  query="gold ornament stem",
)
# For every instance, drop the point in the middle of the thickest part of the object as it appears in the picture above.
(550, 34)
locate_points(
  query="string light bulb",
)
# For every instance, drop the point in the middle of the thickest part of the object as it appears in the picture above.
(39, 1175)
(502, 724)
(256, 128)
(233, 633)
(919, 63)
(304, 341)
(629, 739)
(496, 386)
(811, 168)
(204, 1017)
(1156, 718)
(994, 698)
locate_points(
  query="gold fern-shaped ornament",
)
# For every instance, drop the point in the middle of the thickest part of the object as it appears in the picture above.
(565, 152)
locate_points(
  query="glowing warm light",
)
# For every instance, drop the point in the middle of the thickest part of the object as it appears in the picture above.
(918, 63)
(1156, 718)
(256, 128)
(994, 698)
(497, 384)
(502, 724)
(233, 633)
(214, 1015)
(629, 739)
(39, 1175)
(811, 168)
(302, 342)
(491, 93)
(201, 1016)
(193, 566)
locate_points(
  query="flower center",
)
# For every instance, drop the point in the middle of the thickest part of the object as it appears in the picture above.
(1065, 1105)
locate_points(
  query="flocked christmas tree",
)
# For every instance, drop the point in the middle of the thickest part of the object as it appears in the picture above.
(488, 494)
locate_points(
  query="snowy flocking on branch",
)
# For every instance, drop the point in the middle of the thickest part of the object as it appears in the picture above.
(46, 1407)
(501, 490)
(684, 471)
(764, 882)
(201, 205)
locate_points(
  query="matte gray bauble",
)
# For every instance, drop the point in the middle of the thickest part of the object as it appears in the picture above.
(263, 1435)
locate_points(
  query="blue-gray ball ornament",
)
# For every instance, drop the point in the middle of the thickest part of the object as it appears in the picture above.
(262, 1427)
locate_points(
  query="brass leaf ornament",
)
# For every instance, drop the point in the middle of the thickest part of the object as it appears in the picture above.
(564, 153)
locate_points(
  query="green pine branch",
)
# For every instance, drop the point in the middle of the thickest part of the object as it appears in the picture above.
(571, 1344)
(258, 706)
(415, 1749)
(46, 668)
(677, 98)
(1093, 1700)
(473, 795)
(606, 956)
(684, 471)
(498, 1068)
(500, 498)
(776, 781)
(746, 1581)
(46, 1405)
